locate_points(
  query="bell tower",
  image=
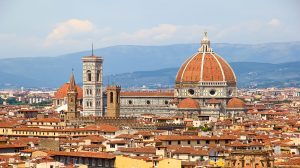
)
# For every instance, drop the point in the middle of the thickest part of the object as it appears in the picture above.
(113, 101)
(92, 85)
(72, 93)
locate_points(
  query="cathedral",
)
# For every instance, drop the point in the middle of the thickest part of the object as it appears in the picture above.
(205, 88)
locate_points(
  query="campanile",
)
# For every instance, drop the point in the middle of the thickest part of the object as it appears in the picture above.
(92, 85)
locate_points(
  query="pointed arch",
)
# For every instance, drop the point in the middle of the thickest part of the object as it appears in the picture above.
(88, 75)
(111, 97)
(98, 76)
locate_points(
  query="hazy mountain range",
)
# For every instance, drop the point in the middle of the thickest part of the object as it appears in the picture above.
(260, 65)
(249, 74)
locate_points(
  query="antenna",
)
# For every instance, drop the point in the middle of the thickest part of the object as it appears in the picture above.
(92, 49)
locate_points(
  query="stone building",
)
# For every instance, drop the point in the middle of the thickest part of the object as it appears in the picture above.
(206, 76)
(235, 107)
(72, 93)
(91, 159)
(249, 159)
(61, 96)
(113, 101)
(92, 86)
(205, 79)
(189, 108)
(139, 102)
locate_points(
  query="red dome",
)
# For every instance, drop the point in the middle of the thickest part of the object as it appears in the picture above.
(63, 90)
(205, 66)
(188, 103)
(235, 103)
(214, 101)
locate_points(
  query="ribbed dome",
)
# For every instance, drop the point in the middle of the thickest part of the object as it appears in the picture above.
(188, 103)
(235, 103)
(205, 66)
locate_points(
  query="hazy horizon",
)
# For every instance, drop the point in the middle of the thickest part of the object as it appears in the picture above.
(50, 28)
(162, 45)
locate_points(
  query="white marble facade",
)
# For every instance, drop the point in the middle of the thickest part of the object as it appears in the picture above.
(92, 86)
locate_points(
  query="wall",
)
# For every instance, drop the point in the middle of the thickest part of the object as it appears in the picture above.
(126, 162)
(168, 163)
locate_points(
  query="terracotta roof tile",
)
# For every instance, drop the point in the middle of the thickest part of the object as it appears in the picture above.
(94, 138)
(190, 150)
(9, 124)
(54, 120)
(24, 140)
(102, 155)
(144, 133)
(147, 93)
(214, 101)
(63, 90)
(117, 142)
(101, 127)
(188, 103)
(193, 137)
(213, 69)
(236, 103)
(126, 136)
(146, 150)
(5, 146)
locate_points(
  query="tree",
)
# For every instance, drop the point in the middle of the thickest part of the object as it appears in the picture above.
(43, 103)
(1, 101)
(192, 128)
(12, 101)
(205, 128)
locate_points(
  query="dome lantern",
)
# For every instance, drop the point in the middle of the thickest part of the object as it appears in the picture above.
(205, 44)
(205, 75)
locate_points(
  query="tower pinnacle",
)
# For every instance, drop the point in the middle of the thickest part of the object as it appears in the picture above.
(72, 84)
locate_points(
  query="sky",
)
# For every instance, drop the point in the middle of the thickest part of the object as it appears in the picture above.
(38, 28)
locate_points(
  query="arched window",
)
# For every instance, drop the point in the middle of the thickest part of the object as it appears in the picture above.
(89, 75)
(118, 97)
(111, 98)
(98, 75)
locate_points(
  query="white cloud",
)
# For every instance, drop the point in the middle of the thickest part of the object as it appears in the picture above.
(158, 33)
(77, 35)
(274, 22)
(234, 31)
(68, 28)
(163, 34)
